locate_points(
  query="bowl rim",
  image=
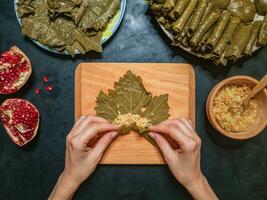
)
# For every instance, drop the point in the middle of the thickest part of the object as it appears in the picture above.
(212, 119)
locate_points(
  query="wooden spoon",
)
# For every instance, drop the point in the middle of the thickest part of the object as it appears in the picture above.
(261, 85)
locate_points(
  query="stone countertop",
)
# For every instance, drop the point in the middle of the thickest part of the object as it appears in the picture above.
(235, 170)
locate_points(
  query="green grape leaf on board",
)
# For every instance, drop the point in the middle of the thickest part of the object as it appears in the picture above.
(131, 106)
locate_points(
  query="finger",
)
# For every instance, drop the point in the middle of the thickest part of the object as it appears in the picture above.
(79, 121)
(183, 127)
(173, 131)
(103, 143)
(180, 124)
(95, 128)
(83, 124)
(77, 124)
(188, 124)
(167, 151)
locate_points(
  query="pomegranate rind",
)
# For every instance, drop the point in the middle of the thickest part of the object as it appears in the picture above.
(27, 74)
(8, 127)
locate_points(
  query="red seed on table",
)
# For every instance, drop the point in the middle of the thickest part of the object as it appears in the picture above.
(37, 91)
(49, 88)
(45, 79)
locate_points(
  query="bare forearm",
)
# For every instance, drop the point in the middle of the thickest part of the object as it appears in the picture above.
(201, 190)
(64, 189)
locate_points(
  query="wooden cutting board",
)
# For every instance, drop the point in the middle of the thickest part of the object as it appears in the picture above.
(177, 80)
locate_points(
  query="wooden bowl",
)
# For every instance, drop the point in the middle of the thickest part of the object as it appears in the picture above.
(261, 117)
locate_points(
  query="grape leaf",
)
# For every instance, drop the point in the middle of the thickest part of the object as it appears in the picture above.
(97, 13)
(106, 13)
(131, 106)
(157, 109)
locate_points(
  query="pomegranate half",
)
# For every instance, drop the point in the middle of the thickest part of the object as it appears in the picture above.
(15, 70)
(20, 119)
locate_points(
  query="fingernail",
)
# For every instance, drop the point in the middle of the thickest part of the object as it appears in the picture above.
(152, 135)
(114, 134)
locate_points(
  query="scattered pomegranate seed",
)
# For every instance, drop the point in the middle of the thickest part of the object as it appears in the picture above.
(49, 88)
(37, 91)
(45, 79)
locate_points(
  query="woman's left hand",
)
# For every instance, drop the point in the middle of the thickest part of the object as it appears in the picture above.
(80, 159)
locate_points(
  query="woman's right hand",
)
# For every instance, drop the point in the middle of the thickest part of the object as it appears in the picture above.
(183, 162)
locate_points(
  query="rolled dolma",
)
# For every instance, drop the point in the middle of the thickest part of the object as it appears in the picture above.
(168, 26)
(176, 42)
(202, 44)
(172, 16)
(156, 7)
(168, 6)
(227, 36)
(218, 30)
(179, 25)
(221, 60)
(261, 6)
(205, 26)
(245, 9)
(179, 8)
(185, 42)
(207, 12)
(239, 42)
(162, 20)
(253, 37)
(184, 31)
(263, 33)
(157, 1)
(197, 16)
(221, 4)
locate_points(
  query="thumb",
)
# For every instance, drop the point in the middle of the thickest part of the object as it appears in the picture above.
(164, 146)
(103, 143)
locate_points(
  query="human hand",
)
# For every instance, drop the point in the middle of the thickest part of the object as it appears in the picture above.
(81, 159)
(183, 162)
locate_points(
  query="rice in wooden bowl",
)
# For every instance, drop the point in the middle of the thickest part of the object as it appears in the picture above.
(228, 115)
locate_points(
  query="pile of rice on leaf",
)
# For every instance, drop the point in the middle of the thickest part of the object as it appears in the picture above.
(219, 30)
(131, 107)
(67, 25)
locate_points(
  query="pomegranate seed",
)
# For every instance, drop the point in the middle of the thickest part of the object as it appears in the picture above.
(45, 79)
(49, 88)
(37, 91)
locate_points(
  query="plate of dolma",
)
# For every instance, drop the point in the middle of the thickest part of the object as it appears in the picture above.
(218, 30)
(70, 27)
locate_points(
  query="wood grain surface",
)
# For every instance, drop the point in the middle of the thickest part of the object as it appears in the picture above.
(177, 80)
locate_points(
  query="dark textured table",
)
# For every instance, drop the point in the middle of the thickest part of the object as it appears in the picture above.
(235, 170)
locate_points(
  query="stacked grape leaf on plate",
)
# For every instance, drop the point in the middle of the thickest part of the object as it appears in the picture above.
(219, 30)
(67, 26)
